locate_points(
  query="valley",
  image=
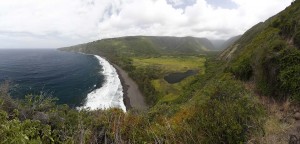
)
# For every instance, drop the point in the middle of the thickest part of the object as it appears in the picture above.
(179, 90)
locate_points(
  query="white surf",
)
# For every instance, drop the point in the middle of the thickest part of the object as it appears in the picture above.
(110, 95)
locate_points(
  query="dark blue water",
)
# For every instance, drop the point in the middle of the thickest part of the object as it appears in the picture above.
(65, 75)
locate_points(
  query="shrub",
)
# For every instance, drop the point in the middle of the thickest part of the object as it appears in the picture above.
(28, 131)
(242, 69)
(297, 40)
(229, 116)
(289, 75)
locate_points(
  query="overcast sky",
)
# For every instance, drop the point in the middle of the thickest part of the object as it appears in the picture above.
(58, 23)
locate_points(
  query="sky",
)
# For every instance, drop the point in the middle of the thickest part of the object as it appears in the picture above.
(60, 23)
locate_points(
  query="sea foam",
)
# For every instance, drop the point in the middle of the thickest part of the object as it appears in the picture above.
(110, 95)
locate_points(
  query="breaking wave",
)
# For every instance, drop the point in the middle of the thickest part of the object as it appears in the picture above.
(110, 95)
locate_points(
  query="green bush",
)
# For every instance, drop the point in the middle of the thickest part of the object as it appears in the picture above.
(297, 40)
(242, 69)
(28, 131)
(230, 115)
(289, 75)
(278, 45)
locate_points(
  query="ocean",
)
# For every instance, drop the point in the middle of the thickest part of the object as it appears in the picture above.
(73, 78)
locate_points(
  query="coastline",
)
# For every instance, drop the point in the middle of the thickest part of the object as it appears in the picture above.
(132, 96)
(110, 95)
(126, 99)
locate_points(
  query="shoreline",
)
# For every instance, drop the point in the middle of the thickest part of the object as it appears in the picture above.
(125, 87)
(111, 94)
(132, 96)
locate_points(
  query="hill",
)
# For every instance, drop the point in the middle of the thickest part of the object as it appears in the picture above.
(268, 54)
(215, 105)
(147, 45)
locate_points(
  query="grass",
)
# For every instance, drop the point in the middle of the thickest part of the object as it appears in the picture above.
(279, 124)
(168, 64)
(172, 64)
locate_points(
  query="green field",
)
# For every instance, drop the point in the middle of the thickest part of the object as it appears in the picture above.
(168, 64)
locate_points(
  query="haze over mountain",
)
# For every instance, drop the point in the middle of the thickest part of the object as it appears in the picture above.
(223, 44)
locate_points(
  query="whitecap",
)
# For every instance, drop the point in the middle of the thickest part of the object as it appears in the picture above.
(110, 95)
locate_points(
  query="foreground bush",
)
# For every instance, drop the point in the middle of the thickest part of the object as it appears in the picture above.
(230, 115)
(220, 111)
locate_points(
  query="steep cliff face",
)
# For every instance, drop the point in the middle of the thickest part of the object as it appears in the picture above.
(269, 55)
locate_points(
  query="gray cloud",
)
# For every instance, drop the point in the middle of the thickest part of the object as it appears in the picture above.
(57, 23)
(181, 3)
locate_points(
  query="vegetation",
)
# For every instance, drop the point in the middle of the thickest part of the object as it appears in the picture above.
(128, 51)
(230, 115)
(147, 59)
(269, 55)
(211, 107)
(165, 65)
(172, 64)
(183, 119)
(146, 46)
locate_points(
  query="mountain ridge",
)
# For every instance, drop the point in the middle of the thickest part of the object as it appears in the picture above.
(145, 45)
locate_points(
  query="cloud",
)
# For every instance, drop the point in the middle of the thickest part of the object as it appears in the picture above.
(200, 19)
(229, 4)
(63, 20)
(181, 3)
(57, 23)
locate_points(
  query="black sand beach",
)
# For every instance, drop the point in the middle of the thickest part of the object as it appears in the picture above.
(133, 98)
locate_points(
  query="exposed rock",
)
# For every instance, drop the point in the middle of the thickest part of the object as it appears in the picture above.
(297, 116)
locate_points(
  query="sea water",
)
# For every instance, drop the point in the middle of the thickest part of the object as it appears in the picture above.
(79, 80)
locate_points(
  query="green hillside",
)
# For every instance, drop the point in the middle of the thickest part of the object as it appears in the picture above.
(269, 55)
(146, 46)
(216, 105)
(125, 50)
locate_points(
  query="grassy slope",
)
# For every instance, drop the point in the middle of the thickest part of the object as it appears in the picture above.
(267, 59)
(269, 55)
